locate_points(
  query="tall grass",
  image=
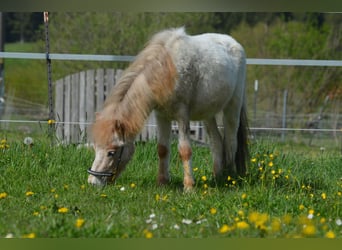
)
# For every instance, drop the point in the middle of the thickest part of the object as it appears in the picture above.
(44, 193)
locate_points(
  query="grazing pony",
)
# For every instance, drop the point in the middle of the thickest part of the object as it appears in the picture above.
(182, 78)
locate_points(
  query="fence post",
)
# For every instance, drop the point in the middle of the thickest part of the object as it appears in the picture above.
(283, 132)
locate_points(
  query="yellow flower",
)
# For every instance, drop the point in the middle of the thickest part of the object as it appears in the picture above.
(301, 207)
(29, 193)
(3, 195)
(311, 211)
(309, 230)
(225, 229)
(148, 234)
(330, 235)
(259, 219)
(35, 213)
(243, 196)
(253, 160)
(50, 122)
(242, 225)
(275, 225)
(79, 223)
(213, 210)
(29, 236)
(133, 185)
(287, 219)
(63, 210)
(103, 195)
(270, 164)
(204, 178)
(195, 169)
(324, 196)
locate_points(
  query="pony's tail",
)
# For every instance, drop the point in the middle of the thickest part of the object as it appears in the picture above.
(242, 153)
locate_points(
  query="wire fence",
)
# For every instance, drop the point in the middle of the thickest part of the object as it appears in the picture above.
(26, 117)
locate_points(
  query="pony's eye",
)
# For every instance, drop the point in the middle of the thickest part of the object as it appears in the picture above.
(111, 153)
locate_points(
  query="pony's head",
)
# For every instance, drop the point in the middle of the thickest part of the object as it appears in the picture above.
(112, 151)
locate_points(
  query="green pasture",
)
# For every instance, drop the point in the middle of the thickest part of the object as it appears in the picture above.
(286, 194)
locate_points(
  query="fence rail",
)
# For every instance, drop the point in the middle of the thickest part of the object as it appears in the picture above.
(126, 58)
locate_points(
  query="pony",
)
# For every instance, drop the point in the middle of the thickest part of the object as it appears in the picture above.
(183, 78)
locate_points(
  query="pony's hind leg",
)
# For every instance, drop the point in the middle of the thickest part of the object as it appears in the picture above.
(216, 147)
(164, 133)
(231, 121)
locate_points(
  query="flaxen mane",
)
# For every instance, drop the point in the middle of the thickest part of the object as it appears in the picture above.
(147, 82)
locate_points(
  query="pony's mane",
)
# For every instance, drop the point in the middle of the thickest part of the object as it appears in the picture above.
(147, 82)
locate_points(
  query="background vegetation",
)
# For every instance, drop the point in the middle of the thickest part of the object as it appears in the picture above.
(264, 35)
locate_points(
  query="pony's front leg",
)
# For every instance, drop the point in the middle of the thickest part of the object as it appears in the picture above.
(185, 152)
(164, 134)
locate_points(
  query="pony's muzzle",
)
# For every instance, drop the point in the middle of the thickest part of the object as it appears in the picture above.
(95, 181)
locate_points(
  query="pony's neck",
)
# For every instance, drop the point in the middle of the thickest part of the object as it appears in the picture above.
(148, 81)
(135, 107)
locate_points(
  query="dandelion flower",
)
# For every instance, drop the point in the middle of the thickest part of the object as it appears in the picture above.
(3, 195)
(309, 230)
(270, 164)
(330, 235)
(213, 210)
(148, 234)
(63, 210)
(225, 229)
(301, 207)
(29, 236)
(242, 225)
(103, 195)
(29, 193)
(253, 160)
(204, 178)
(276, 225)
(244, 196)
(133, 185)
(79, 223)
(50, 122)
(324, 196)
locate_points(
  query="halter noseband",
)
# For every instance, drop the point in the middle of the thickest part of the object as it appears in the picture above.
(108, 174)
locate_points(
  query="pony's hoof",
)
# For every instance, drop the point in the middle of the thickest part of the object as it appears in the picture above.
(162, 181)
(188, 189)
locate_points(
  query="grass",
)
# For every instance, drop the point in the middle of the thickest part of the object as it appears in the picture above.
(26, 78)
(44, 193)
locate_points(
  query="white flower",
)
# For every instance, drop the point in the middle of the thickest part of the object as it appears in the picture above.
(338, 222)
(310, 216)
(176, 227)
(152, 215)
(122, 189)
(186, 221)
(28, 141)
(154, 226)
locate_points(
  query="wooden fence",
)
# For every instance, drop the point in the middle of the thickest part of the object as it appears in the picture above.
(80, 95)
